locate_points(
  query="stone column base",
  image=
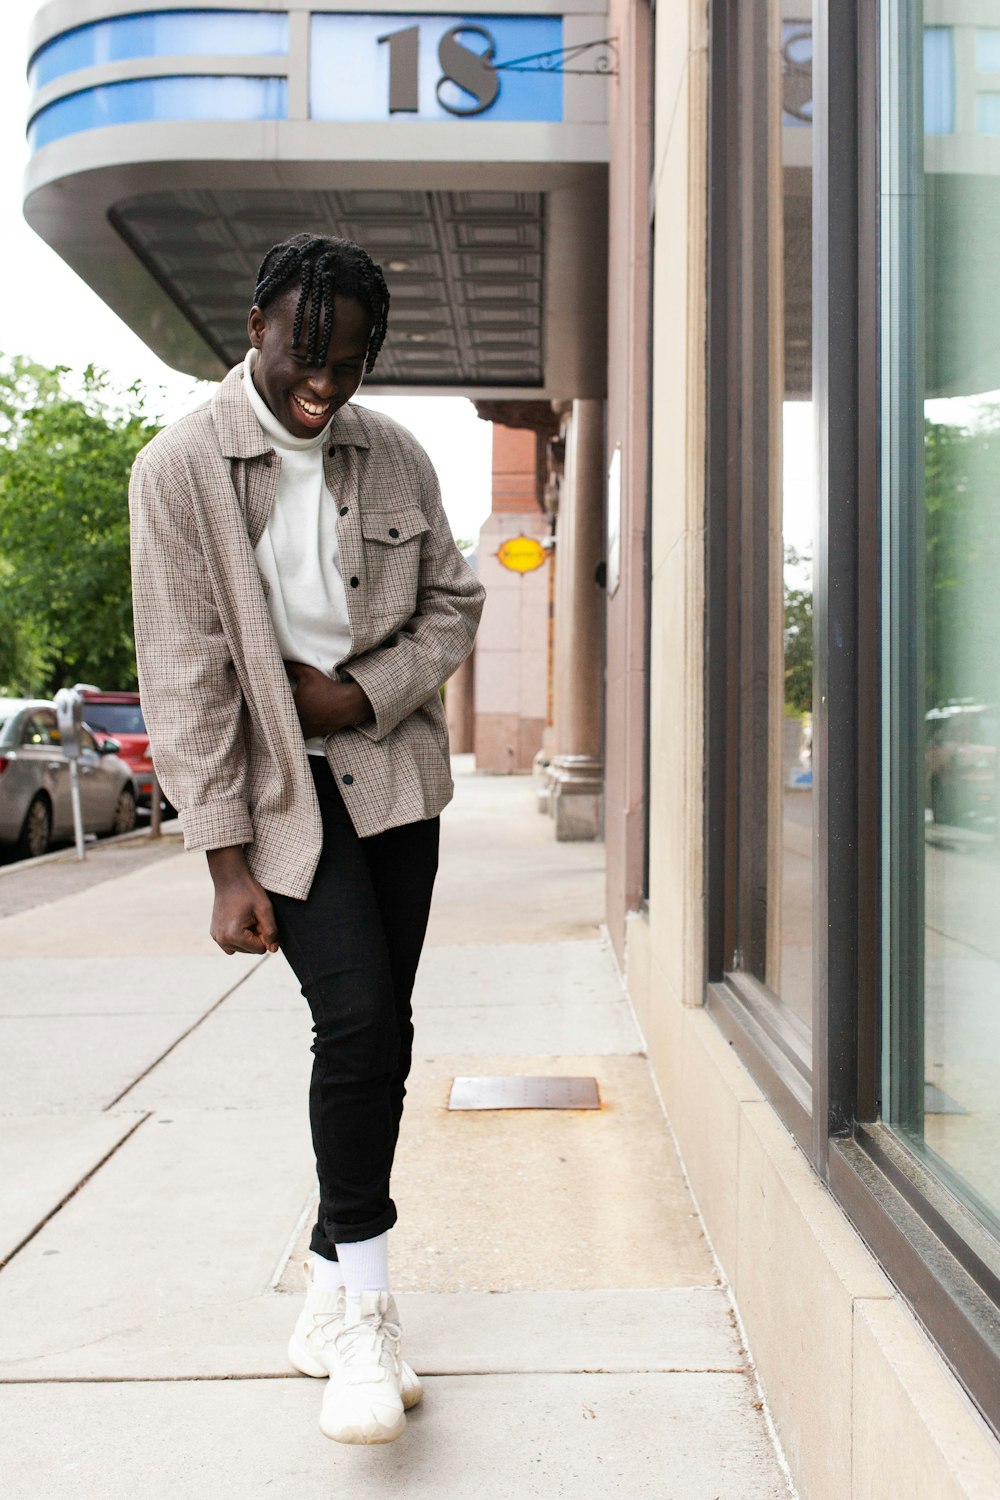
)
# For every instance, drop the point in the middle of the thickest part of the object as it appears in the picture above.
(576, 797)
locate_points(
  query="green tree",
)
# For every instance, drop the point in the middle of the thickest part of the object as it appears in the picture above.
(65, 590)
(962, 542)
(798, 640)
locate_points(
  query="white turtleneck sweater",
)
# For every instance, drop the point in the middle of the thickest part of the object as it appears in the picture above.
(297, 553)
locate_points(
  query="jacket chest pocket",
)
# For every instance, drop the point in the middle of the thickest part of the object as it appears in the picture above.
(393, 540)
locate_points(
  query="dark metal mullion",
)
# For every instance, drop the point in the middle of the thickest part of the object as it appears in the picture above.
(869, 993)
(835, 394)
(903, 492)
(720, 725)
(731, 494)
(755, 460)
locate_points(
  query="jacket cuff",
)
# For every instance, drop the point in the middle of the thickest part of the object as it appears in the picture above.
(216, 825)
(374, 677)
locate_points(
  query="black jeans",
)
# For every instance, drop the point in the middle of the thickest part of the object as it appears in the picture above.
(354, 944)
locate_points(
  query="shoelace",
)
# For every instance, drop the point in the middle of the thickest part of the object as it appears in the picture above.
(322, 1326)
(326, 1324)
(361, 1347)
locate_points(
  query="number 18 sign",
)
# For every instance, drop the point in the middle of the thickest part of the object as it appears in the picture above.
(417, 67)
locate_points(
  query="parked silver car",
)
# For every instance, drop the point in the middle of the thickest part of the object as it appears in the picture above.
(35, 803)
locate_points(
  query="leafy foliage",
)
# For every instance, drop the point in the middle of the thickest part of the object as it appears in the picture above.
(798, 638)
(65, 590)
(962, 551)
(959, 592)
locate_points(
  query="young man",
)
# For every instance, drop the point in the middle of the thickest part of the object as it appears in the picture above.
(299, 601)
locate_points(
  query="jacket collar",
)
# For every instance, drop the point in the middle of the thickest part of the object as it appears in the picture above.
(241, 435)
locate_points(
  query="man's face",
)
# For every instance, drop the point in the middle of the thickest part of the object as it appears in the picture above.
(302, 396)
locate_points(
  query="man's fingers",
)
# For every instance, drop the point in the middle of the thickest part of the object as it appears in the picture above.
(243, 920)
(246, 940)
(267, 927)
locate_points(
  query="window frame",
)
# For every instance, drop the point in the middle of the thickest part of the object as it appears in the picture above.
(768, 1038)
(45, 719)
(942, 1259)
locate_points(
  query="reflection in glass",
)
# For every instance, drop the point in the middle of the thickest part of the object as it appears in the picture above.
(942, 375)
(790, 939)
(962, 854)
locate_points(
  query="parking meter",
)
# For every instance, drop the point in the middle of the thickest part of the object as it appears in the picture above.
(69, 715)
(69, 712)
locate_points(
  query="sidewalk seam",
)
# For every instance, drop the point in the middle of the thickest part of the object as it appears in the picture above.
(184, 1034)
(424, 1374)
(73, 1191)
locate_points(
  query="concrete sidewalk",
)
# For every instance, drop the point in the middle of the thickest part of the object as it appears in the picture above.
(156, 1189)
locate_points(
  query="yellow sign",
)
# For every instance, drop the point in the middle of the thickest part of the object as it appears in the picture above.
(521, 554)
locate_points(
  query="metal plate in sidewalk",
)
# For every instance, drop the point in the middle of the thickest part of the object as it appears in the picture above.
(520, 1091)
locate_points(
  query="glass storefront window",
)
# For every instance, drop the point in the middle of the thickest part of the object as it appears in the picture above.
(941, 507)
(789, 968)
(762, 447)
(772, 952)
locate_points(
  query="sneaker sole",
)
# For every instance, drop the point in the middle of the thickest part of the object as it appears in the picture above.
(411, 1389)
(367, 1436)
(303, 1360)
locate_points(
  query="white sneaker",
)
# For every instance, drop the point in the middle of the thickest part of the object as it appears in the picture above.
(310, 1346)
(363, 1401)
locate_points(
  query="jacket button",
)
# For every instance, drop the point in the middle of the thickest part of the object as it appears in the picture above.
(344, 509)
(354, 583)
(348, 780)
(393, 531)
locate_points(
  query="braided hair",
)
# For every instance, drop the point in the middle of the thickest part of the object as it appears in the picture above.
(322, 269)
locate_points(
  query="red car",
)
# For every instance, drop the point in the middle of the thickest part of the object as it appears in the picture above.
(118, 716)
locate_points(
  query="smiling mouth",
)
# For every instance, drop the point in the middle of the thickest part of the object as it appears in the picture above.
(313, 411)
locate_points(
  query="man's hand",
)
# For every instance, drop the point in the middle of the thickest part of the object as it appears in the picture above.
(243, 917)
(324, 706)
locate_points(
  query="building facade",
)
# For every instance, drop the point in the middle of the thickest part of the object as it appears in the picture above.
(744, 258)
(812, 959)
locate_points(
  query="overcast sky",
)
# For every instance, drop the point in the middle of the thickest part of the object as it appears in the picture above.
(49, 314)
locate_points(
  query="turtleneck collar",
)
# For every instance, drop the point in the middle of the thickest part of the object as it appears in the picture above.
(279, 435)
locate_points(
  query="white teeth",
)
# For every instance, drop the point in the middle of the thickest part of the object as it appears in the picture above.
(313, 411)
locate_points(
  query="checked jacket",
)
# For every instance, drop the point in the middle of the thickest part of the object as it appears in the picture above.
(225, 737)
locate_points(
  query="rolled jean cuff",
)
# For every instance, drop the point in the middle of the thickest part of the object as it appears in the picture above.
(350, 1234)
(320, 1245)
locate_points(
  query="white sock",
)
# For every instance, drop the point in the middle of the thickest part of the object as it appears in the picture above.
(366, 1265)
(328, 1275)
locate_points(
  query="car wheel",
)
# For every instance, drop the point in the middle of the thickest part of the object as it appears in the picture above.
(36, 830)
(124, 811)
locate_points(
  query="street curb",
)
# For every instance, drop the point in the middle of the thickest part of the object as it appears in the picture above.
(69, 854)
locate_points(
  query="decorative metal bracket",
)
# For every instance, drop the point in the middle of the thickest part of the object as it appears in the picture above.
(605, 64)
